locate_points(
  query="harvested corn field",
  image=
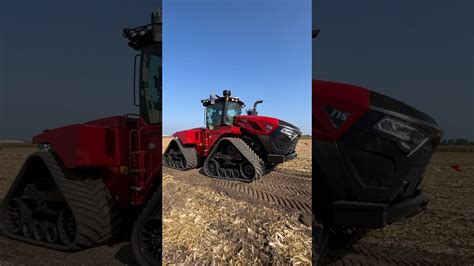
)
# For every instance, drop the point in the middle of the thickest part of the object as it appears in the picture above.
(248, 230)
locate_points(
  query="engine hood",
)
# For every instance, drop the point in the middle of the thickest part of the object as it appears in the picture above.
(262, 125)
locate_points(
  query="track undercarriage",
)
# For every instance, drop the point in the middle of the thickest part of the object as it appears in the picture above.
(60, 209)
(180, 157)
(231, 159)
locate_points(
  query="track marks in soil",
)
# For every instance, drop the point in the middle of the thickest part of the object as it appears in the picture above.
(288, 191)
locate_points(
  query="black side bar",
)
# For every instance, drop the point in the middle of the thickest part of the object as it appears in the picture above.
(277, 158)
(376, 215)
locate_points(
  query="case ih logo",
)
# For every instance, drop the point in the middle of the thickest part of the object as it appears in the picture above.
(337, 117)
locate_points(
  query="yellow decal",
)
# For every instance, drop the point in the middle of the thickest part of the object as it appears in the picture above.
(123, 170)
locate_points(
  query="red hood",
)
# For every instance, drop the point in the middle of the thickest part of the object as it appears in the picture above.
(347, 98)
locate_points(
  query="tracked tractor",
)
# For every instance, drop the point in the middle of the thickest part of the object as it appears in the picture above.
(70, 193)
(370, 152)
(233, 146)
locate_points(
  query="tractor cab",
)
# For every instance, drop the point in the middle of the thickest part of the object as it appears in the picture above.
(147, 40)
(221, 110)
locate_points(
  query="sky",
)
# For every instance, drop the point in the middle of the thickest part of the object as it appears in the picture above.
(66, 62)
(420, 52)
(257, 49)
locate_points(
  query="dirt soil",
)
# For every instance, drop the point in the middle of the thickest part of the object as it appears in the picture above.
(208, 221)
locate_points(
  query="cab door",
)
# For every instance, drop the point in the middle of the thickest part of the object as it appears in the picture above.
(145, 154)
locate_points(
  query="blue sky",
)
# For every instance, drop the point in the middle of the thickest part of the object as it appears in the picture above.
(67, 62)
(257, 49)
(420, 52)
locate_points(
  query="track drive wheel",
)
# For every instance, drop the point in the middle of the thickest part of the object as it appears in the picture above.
(16, 213)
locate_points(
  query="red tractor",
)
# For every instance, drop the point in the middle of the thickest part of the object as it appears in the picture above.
(70, 193)
(233, 146)
(369, 156)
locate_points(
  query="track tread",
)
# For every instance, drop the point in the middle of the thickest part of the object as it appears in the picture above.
(247, 152)
(96, 213)
(189, 153)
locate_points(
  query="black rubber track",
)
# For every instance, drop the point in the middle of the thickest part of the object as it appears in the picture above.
(189, 153)
(153, 209)
(246, 151)
(96, 214)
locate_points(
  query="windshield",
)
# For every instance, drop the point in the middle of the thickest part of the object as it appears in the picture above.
(151, 86)
(233, 110)
(214, 114)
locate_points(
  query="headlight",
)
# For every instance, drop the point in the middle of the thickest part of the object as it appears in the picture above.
(409, 137)
(44, 147)
(290, 133)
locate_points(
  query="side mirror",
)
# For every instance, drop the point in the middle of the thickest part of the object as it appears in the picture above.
(315, 33)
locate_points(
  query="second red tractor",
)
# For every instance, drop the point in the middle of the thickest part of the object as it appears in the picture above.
(233, 146)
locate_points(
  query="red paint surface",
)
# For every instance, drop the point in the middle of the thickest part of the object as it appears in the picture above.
(108, 145)
(257, 125)
(349, 98)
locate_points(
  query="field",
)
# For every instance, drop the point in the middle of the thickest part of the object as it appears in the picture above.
(267, 222)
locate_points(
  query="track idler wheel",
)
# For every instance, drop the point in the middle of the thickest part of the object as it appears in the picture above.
(213, 167)
(38, 231)
(221, 172)
(235, 173)
(27, 229)
(66, 227)
(16, 212)
(50, 233)
(247, 170)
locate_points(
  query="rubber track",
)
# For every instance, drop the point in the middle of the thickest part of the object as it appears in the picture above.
(287, 203)
(247, 152)
(189, 153)
(96, 214)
